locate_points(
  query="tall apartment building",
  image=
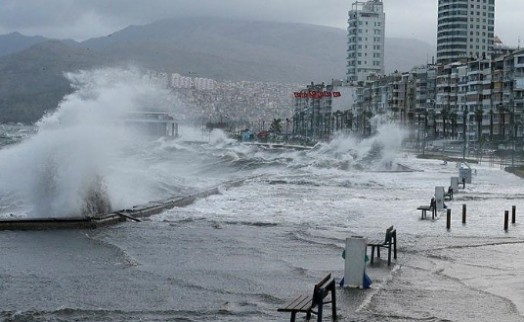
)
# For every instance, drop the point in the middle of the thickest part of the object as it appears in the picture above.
(465, 30)
(366, 32)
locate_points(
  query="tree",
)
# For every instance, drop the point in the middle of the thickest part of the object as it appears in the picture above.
(479, 114)
(276, 126)
(367, 121)
(349, 120)
(502, 113)
(444, 114)
(338, 124)
(453, 118)
(433, 117)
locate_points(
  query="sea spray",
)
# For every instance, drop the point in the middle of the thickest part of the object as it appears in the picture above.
(219, 138)
(351, 151)
(72, 165)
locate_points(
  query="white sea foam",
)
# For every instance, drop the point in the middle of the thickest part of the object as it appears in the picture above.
(219, 138)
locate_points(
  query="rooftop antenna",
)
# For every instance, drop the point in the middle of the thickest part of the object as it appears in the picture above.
(518, 46)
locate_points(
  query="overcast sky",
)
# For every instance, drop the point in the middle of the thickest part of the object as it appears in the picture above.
(83, 19)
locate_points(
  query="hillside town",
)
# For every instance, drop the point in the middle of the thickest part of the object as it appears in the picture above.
(234, 105)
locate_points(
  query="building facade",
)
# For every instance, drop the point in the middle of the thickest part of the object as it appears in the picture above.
(477, 101)
(465, 30)
(365, 38)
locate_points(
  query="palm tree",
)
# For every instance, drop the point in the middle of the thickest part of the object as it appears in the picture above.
(276, 126)
(444, 114)
(479, 114)
(453, 118)
(395, 111)
(367, 117)
(361, 122)
(338, 115)
(502, 111)
(303, 123)
(434, 115)
(349, 120)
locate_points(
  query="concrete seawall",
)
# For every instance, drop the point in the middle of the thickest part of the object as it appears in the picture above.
(101, 220)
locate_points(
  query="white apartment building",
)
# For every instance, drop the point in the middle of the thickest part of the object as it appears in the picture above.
(465, 30)
(179, 81)
(366, 33)
(199, 83)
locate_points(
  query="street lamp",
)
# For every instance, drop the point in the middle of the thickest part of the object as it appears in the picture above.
(464, 127)
(513, 135)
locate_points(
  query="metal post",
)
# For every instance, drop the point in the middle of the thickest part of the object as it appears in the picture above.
(506, 217)
(464, 134)
(448, 219)
(513, 214)
(464, 214)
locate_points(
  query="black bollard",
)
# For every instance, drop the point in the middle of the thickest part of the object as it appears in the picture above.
(448, 219)
(464, 214)
(506, 217)
(513, 214)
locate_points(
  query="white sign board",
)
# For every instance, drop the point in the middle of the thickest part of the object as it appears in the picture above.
(439, 198)
(455, 184)
(355, 262)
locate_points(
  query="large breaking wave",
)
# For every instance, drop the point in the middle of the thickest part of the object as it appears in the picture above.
(67, 168)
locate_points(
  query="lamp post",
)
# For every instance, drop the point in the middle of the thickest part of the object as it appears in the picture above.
(464, 134)
(424, 133)
(491, 126)
(513, 135)
(421, 127)
(418, 130)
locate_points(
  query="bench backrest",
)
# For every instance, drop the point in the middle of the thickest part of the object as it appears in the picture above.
(322, 289)
(390, 233)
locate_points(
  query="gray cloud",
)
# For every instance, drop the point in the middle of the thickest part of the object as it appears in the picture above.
(82, 19)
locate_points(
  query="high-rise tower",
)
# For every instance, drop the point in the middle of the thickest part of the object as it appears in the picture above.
(366, 32)
(465, 30)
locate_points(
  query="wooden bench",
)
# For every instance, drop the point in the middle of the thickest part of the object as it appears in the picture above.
(425, 209)
(390, 241)
(307, 302)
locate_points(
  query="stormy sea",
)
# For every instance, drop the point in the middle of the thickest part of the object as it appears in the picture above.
(242, 253)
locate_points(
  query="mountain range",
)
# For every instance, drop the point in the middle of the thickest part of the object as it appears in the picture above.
(31, 68)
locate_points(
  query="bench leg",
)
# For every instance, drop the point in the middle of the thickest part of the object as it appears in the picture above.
(334, 303)
(395, 248)
(389, 254)
(319, 314)
(372, 253)
(293, 316)
(378, 252)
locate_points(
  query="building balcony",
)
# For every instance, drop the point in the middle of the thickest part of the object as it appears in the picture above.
(474, 72)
